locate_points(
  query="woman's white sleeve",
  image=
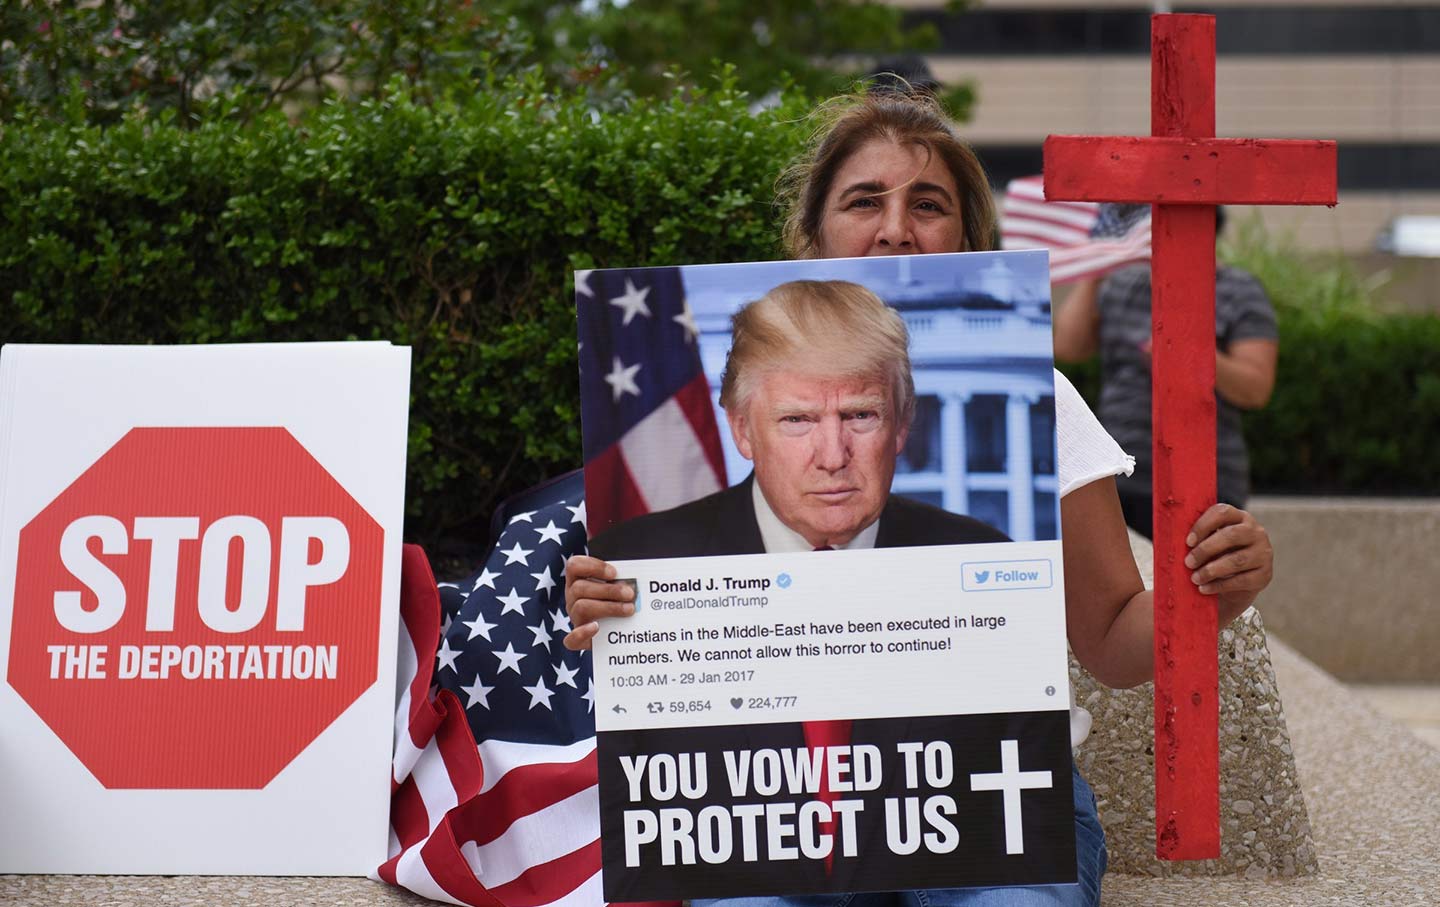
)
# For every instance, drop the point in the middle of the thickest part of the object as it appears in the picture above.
(1085, 450)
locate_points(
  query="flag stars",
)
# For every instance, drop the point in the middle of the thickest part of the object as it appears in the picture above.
(559, 621)
(479, 627)
(477, 692)
(518, 555)
(551, 533)
(632, 303)
(566, 675)
(539, 693)
(537, 631)
(486, 579)
(544, 582)
(686, 319)
(446, 656)
(509, 659)
(622, 380)
(514, 601)
(582, 282)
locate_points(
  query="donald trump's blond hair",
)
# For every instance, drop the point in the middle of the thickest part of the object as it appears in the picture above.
(819, 327)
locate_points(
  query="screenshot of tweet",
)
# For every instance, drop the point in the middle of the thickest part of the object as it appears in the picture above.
(836, 721)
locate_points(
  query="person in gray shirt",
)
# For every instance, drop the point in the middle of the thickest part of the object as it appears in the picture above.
(1113, 318)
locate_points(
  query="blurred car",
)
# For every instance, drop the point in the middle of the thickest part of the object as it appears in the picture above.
(1411, 235)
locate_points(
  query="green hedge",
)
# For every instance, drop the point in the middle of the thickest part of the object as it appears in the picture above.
(1356, 408)
(451, 228)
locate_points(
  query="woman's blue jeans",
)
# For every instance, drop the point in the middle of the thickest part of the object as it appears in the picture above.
(1089, 859)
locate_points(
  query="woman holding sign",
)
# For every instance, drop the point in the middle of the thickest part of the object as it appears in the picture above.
(889, 175)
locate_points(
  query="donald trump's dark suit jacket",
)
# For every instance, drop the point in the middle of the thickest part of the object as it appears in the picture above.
(724, 523)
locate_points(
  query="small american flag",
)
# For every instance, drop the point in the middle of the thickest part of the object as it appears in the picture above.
(1085, 239)
(651, 440)
(494, 791)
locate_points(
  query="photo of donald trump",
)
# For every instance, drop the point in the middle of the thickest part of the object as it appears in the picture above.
(818, 395)
(822, 385)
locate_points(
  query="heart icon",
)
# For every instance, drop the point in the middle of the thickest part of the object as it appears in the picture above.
(737, 702)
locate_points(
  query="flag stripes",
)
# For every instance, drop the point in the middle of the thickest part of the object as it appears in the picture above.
(512, 821)
(1085, 239)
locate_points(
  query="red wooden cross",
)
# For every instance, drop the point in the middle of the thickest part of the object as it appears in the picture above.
(1183, 171)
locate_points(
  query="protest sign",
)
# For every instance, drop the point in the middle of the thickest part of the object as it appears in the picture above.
(948, 666)
(776, 719)
(198, 630)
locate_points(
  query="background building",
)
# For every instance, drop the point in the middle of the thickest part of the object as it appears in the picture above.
(1365, 74)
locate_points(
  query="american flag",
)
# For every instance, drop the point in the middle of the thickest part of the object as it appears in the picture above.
(494, 791)
(651, 440)
(1085, 239)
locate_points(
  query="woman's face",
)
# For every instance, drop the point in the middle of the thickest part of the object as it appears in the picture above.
(891, 199)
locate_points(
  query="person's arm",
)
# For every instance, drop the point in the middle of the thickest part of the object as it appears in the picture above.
(1110, 614)
(1076, 323)
(1247, 332)
(1245, 374)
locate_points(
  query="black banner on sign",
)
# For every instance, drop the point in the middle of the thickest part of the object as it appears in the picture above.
(896, 804)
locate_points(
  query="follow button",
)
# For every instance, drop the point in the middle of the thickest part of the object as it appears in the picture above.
(994, 576)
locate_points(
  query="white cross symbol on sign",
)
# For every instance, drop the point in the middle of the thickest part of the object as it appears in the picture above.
(1012, 781)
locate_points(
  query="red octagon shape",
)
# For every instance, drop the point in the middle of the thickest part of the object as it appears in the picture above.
(220, 717)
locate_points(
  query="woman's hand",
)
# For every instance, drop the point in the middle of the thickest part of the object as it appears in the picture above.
(1231, 557)
(589, 596)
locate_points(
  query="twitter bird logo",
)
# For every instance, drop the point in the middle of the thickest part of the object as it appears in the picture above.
(982, 575)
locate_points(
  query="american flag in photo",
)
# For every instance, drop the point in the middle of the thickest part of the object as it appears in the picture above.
(651, 440)
(494, 798)
(1085, 239)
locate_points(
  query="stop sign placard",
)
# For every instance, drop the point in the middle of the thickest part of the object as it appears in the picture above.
(196, 607)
